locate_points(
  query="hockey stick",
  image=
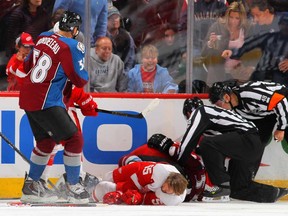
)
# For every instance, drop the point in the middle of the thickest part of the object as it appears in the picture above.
(27, 160)
(154, 103)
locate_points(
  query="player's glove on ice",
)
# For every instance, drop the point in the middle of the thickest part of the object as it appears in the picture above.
(113, 197)
(132, 197)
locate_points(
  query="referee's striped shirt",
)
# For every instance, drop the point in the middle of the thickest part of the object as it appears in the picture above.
(259, 99)
(211, 121)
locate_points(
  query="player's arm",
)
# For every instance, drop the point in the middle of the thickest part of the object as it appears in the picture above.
(196, 126)
(73, 64)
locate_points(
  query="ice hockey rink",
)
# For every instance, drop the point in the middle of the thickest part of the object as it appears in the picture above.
(232, 208)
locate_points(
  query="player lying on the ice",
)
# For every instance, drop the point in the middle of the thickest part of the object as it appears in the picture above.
(193, 171)
(140, 182)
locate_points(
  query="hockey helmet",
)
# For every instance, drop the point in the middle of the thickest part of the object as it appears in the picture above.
(69, 20)
(218, 90)
(190, 104)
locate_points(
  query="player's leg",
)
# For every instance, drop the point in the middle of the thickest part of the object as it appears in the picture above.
(67, 132)
(33, 189)
(61, 128)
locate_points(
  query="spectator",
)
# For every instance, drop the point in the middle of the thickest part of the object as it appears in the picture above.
(123, 43)
(24, 44)
(264, 16)
(148, 15)
(228, 32)
(147, 183)
(29, 17)
(170, 52)
(206, 12)
(106, 69)
(99, 11)
(149, 76)
(273, 64)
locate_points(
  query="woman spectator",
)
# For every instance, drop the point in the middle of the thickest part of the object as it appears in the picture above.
(149, 76)
(228, 32)
(29, 17)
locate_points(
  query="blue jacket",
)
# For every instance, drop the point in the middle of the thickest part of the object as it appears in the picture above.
(162, 84)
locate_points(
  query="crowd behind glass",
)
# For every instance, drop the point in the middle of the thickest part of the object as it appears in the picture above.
(232, 40)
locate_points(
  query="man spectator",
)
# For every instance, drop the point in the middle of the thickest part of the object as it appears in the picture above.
(106, 69)
(123, 43)
(264, 16)
(273, 64)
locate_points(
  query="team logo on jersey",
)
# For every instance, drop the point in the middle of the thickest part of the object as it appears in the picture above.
(264, 98)
(81, 47)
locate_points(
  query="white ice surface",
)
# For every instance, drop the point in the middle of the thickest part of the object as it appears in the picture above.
(233, 208)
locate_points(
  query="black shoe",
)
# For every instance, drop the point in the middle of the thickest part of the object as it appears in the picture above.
(282, 192)
(216, 193)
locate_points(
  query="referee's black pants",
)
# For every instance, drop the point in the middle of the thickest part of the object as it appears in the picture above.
(245, 152)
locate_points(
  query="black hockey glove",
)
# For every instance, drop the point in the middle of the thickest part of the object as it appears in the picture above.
(160, 142)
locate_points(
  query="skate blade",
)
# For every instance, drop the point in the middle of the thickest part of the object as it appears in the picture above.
(216, 199)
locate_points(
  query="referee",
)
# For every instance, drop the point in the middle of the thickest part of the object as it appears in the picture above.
(264, 103)
(227, 134)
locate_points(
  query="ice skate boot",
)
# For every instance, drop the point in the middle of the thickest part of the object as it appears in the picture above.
(35, 192)
(282, 192)
(77, 194)
(61, 186)
(216, 194)
(89, 182)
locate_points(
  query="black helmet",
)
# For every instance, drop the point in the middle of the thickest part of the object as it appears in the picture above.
(190, 104)
(69, 20)
(218, 90)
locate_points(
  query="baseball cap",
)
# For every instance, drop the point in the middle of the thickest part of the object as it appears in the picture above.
(113, 10)
(25, 40)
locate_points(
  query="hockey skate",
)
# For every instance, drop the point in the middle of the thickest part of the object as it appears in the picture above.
(77, 194)
(89, 182)
(61, 186)
(282, 192)
(36, 192)
(216, 194)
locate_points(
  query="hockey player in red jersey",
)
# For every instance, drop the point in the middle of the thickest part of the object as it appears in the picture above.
(56, 59)
(194, 172)
(147, 183)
